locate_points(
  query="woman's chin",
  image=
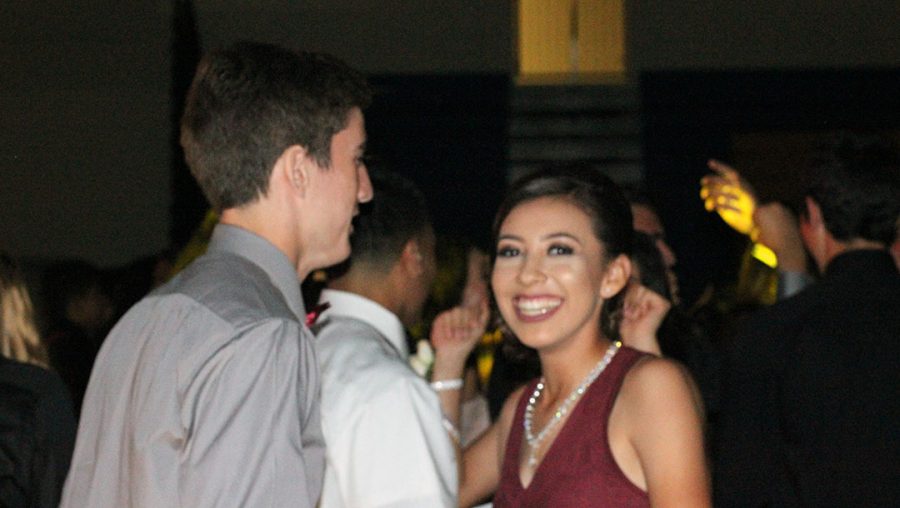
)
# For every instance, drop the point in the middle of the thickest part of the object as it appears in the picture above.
(536, 341)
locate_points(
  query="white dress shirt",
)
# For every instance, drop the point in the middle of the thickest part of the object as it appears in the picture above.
(385, 444)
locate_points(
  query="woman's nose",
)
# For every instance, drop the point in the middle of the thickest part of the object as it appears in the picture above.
(531, 271)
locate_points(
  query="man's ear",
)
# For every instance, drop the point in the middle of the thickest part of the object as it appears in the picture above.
(815, 234)
(294, 168)
(814, 213)
(411, 257)
(616, 276)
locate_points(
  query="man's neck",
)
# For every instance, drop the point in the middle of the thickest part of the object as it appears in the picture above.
(372, 285)
(835, 248)
(261, 221)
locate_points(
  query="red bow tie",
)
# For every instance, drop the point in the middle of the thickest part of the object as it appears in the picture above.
(315, 312)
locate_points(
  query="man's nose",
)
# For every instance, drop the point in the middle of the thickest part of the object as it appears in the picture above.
(364, 195)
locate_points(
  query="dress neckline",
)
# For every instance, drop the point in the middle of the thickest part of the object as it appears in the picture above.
(576, 410)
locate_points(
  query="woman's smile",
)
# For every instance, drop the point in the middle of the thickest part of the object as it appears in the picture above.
(548, 272)
(536, 307)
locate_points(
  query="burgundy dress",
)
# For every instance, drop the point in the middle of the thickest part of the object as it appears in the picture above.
(578, 470)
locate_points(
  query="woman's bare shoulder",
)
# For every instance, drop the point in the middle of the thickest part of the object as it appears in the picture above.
(658, 385)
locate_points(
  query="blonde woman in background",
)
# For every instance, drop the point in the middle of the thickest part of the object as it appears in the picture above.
(20, 340)
(36, 412)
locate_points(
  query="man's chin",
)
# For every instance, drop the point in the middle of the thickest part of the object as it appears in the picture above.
(338, 256)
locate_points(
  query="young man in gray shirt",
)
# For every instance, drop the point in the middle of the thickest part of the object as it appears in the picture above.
(206, 392)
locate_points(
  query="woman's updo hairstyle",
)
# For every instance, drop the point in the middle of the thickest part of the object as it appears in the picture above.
(603, 202)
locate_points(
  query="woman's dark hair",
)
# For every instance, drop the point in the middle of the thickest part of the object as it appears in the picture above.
(603, 202)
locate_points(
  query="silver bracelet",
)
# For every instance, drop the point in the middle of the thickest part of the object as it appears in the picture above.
(447, 384)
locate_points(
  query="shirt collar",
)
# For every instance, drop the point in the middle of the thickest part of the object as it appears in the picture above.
(358, 307)
(270, 259)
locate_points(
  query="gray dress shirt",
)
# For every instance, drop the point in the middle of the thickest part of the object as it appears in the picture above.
(206, 392)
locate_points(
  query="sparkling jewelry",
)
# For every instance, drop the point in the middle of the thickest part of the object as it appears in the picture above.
(535, 441)
(447, 384)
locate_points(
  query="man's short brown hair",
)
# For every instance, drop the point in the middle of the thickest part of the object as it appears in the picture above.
(250, 102)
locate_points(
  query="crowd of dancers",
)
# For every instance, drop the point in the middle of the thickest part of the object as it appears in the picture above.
(274, 369)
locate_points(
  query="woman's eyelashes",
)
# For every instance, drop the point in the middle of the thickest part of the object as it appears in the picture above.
(556, 249)
(560, 250)
(507, 251)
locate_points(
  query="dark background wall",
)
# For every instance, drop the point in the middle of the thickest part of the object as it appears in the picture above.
(448, 134)
(83, 129)
(85, 92)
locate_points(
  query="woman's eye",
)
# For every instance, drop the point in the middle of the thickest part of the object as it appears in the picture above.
(507, 252)
(559, 250)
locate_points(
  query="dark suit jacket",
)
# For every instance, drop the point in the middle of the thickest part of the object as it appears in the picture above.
(811, 398)
(37, 434)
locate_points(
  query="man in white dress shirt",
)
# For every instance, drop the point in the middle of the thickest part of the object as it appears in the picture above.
(390, 436)
(206, 393)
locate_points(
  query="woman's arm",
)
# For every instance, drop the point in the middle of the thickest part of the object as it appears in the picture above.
(659, 413)
(483, 460)
(454, 334)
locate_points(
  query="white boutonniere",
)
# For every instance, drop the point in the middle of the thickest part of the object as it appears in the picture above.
(423, 359)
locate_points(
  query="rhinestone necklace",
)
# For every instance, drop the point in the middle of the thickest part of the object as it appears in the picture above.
(535, 441)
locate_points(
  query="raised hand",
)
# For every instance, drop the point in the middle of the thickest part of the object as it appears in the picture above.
(454, 334)
(729, 195)
(643, 314)
(475, 291)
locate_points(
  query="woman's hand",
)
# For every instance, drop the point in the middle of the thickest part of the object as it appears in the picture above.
(454, 334)
(643, 314)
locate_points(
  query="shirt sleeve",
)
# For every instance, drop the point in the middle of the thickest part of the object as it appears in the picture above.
(245, 413)
(394, 452)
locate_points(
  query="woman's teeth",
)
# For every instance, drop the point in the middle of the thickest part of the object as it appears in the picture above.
(537, 306)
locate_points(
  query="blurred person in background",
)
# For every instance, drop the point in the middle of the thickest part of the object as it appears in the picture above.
(391, 438)
(810, 400)
(37, 423)
(77, 315)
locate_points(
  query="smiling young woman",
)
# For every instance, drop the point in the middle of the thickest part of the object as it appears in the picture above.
(605, 425)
